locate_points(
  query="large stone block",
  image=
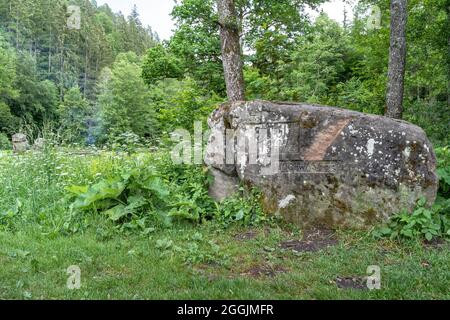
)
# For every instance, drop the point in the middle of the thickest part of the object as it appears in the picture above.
(321, 165)
(20, 142)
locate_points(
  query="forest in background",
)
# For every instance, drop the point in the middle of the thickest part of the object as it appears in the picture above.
(114, 79)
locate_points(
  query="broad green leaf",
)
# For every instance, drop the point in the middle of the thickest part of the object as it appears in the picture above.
(100, 191)
(135, 202)
(157, 186)
(240, 215)
(117, 212)
(422, 201)
(77, 189)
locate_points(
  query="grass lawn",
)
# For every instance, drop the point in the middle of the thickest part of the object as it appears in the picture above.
(208, 263)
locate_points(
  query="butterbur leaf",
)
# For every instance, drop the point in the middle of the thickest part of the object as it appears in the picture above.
(100, 191)
(77, 189)
(428, 236)
(117, 212)
(157, 186)
(136, 202)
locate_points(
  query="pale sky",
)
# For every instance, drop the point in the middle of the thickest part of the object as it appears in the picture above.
(156, 13)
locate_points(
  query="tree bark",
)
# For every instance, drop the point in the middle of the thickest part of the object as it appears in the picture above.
(448, 50)
(397, 59)
(231, 50)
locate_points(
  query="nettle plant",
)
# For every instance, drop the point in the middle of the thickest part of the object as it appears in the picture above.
(424, 222)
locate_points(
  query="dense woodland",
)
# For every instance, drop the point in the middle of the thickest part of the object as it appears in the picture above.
(114, 76)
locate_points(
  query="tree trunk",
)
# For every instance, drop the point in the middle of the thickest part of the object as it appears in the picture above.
(397, 59)
(86, 66)
(448, 61)
(231, 50)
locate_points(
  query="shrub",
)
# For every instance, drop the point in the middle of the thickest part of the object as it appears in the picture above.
(5, 142)
(423, 222)
(126, 142)
(443, 157)
(243, 210)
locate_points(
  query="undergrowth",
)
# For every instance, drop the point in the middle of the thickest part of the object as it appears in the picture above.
(68, 191)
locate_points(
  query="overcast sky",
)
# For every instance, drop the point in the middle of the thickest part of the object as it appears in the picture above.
(156, 13)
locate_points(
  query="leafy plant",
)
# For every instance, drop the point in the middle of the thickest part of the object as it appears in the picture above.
(6, 218)
(131, 194)
(423, 222)
(126, 142)
(443, 156)
(208, 252)
(243, 210)
(5, 143)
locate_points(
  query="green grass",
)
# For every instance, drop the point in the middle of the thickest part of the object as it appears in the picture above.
(132, 267)
(184, 261)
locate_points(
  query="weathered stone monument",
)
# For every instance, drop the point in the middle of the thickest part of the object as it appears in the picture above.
(20, 142)
(320, 165)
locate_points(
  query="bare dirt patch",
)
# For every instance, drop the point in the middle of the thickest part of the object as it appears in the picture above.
(313, 240)
(357, 283)
(436, 243)
(245, 236)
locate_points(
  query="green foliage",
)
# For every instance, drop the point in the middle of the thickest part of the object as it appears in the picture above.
(124, 101)
(319, 63)
(152, 192)
(7, 218)
(245, 210)
(424, 222)
(37, 101)
(431, 115)
(8, 122)
(73, 115)
(5, 142)
(159, 64)
(180, 103)
(443, 156)
(125, 142)
(7, 90)
(196, 43)
(129, 196)
(7, 69)
(194, 249)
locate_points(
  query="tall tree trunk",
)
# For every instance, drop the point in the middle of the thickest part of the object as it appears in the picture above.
(448, 50)
(49, 68)
(86, 66)
(231, 50)
(397, 59)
